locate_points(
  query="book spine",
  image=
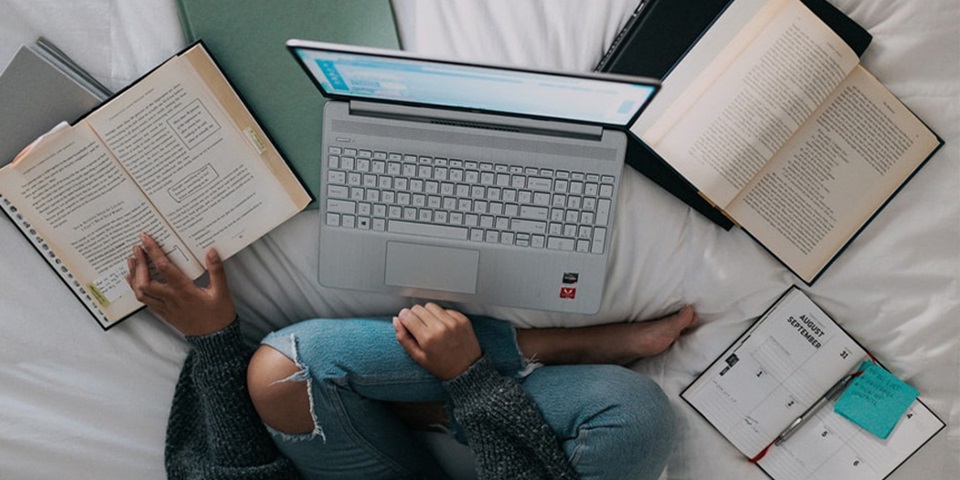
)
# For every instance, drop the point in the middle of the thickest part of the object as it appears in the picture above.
(48, 254)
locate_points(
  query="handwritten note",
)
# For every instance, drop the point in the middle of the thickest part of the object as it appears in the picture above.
(875, 400)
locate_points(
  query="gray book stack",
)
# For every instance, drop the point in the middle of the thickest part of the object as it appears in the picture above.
(40, 88)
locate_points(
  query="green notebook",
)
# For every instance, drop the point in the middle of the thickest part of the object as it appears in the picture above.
(247, 37)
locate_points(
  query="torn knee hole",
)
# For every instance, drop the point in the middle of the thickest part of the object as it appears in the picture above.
(280, 391)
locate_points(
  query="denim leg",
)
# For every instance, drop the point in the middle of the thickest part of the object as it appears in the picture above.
(612, 422)
(351, 366)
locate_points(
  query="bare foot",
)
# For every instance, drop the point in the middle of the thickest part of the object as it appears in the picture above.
(655, 336)
(615, 343)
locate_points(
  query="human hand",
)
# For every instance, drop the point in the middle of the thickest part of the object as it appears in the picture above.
(192, 310)
(440, 340)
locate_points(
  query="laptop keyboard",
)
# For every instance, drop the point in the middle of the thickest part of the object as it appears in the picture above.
(481, 202)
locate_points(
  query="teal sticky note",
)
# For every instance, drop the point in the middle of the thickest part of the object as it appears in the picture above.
(875, 400)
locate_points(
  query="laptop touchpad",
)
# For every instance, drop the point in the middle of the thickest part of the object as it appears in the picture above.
(435, 268)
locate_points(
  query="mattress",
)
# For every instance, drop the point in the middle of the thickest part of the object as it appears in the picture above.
(79, 403)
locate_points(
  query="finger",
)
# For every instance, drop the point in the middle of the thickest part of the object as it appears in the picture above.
(141, 274)
(413, 323)
(456, 314)
(170, 272)
(218, 277)
(427, 316)
(407, 341)
(441, 314)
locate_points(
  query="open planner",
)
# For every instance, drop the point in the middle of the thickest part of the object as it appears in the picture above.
(771, 376)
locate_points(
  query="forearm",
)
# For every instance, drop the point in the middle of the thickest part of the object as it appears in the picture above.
(504, 428)
(236, 435)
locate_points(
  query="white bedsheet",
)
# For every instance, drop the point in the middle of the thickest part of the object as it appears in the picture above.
(79, 403)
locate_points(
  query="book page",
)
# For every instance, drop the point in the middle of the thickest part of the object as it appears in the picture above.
(738, 122)
(89, 212)
(192, 161)
(852, 155)
(829, 446)
(787, 362)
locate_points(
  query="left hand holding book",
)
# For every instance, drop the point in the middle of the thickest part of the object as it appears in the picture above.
(176, 155)
(193, 310)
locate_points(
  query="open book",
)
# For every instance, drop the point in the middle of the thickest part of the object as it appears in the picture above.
(785, 363)
(176, 155)
(771, 117)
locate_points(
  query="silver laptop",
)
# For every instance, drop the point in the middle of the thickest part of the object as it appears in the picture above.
(468, 183)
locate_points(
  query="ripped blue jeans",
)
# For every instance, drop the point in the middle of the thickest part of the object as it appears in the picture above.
(611, 421)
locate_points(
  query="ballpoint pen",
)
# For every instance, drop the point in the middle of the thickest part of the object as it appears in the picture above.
(810, 412)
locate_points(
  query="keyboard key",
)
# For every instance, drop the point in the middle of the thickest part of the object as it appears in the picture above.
(486, 221)
(365, 154)
(363, 165)
(380, 155)
(346, 163)
(599, 236)
(379, 167)
(606, 190)
(537, 241)
(334, 161)
(540, 183)
(584, 232)
(506, 238)
(603, 211)
(335, 150)
(363, 208)
(379, 224)
(528, 226)
(427, 230)
(393, 168)
(426, 215)
(542, 199)
(593, 177)
(363, 223)
(536, 213)
(492, 236)
(350, 151)
(486, 178)
(503, 180)
(356, 193)
(409, 213)
(336, 177)
(333, 219)
(583, 246)
(337, 191)
(476, 235)
(380, 210)
(576, 188)
(559, 243)
(354, 179)
(349, 221)
(590, 189)
(569, 230)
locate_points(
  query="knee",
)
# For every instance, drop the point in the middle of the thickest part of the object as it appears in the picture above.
(282, 402)
(635, 405)
(648, 421)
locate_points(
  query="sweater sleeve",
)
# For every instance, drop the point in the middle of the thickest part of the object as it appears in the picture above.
(504, 429)
(214, 431)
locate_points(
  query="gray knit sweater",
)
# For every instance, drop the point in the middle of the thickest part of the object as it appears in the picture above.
(215, 433)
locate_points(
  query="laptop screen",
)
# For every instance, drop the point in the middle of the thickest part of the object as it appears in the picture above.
(355, 73)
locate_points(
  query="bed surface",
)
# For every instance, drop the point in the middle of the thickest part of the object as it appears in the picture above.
(79, 403)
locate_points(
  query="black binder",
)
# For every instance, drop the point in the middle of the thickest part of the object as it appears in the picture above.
(656, 37)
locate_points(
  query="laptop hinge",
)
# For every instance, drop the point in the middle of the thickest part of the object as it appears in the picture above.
(476, 120)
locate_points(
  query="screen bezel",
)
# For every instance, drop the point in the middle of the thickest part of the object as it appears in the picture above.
(294, 45)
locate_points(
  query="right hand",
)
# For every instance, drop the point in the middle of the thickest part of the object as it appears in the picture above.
(192, 310)
(442, 341)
